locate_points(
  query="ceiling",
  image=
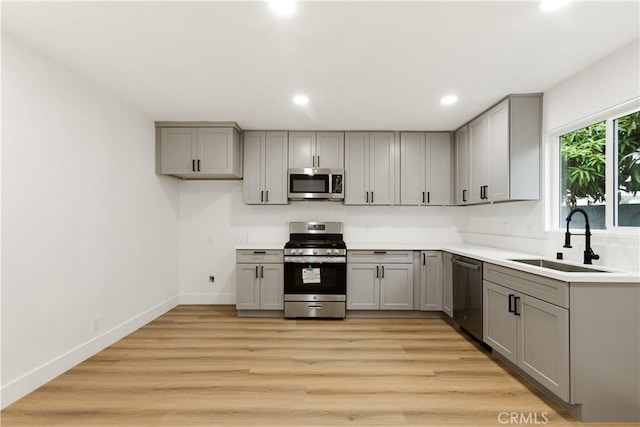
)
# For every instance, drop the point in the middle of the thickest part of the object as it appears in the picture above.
(364, 65)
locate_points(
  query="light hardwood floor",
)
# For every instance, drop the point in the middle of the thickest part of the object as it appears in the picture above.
(203, 366)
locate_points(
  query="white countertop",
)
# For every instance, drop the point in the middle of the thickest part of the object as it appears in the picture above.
(487, 254)
(260, 246)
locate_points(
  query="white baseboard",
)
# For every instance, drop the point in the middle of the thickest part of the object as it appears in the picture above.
(217, 299)
(41, 375)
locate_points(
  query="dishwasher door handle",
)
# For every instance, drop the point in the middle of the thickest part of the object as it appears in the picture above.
(466, 264)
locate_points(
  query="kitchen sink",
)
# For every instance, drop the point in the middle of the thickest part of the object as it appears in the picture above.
(569, 268)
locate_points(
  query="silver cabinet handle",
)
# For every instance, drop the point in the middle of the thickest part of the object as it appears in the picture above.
(367, 197)
(267, 198)
(262, 272)
(262, 196)
(377, 271)
(318, 161)
(257, 272)
(423, 199)
(383, 271)
(372, 197)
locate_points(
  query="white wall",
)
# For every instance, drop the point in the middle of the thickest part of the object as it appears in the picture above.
(213, 219)
(88, 230)
(521, 225)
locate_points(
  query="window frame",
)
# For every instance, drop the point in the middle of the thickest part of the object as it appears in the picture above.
(552, 164)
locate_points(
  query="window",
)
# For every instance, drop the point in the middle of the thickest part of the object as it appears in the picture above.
(600, 173)
(627, 139)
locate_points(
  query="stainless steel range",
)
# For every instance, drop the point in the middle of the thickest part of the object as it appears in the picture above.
(315, 270)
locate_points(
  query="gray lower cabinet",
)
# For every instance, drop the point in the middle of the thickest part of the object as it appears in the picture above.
(431, 281)
(379, 280)
(447, 283)
(259, 280)
(530, 332)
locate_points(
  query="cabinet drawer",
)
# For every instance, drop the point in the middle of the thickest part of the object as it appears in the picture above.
(379, 257)
(259, 256)
(549, 290)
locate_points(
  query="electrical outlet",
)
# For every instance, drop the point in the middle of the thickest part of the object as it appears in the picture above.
(95, 324)
(212, 279)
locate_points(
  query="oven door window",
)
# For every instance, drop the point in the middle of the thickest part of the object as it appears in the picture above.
(299, 183)
(315, 278)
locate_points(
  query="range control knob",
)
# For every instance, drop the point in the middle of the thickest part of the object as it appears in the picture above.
(315, 251)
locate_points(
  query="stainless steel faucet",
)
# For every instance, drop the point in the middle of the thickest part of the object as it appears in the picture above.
(588, 252)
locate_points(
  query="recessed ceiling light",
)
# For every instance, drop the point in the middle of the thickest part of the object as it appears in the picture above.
(551, 5)
(448, 100)
(301, 99)
(283, 7)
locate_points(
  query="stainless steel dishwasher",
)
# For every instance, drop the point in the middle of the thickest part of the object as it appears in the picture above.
(467, 294)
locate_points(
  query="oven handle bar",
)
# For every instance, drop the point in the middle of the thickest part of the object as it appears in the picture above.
(315, 259)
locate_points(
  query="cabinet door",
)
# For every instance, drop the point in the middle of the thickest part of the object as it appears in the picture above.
(498, 124)
(396, 287)
(543, 343)
(254, 175)
(381, 168)
(302, 149)
(478, 157)
(178, 150)
(438, 168)
(499, 325)
(462, 165)
(412, 169)
(431, 281)
(356, 168)
(247, 286)
(330, 150)
(447, 283)
(215, 151)
(275, 163)
(272, 287)
(363, 287)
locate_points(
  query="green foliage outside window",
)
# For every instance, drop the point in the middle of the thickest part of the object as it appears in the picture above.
(583, 161)
(629, 153)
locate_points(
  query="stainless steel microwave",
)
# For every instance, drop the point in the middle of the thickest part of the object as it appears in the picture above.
(316, 184)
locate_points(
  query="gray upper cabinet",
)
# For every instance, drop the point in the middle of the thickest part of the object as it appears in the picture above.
(462, 165)
(316, 150)
(425, 165)
(370, 168)
(265, 167)
(504, 151)
(199, 150)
